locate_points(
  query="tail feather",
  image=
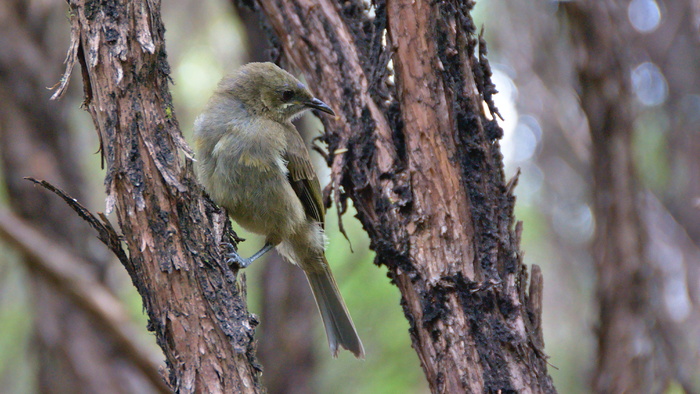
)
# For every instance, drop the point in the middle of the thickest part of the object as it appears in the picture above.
(339, 327)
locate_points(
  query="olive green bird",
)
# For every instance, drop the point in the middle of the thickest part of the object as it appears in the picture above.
(253, 162)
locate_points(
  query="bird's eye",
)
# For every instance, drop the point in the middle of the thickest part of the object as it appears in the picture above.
(287, 95)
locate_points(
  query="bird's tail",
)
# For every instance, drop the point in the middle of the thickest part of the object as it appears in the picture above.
(336, 319)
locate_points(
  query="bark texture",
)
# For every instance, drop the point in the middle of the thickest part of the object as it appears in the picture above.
(74, 354)
(195, 305)
(420, 159)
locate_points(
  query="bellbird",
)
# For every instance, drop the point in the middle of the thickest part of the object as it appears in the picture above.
(253, 162)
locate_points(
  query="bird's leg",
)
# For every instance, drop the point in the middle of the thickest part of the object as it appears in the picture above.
(234, 258)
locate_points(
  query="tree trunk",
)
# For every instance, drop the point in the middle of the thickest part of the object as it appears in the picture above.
(548, 65)
(195, 305)
(632, 357)
(422, 164)
(74, 354)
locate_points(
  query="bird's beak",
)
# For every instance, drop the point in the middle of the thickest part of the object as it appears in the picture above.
(319, 105)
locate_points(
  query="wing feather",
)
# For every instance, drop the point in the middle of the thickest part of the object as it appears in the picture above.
(303, 178)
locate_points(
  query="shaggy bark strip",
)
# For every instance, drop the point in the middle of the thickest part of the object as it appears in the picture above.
(421, 162)
(196, 307)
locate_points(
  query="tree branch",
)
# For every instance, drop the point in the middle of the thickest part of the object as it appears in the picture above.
(64, 270)
(421, 162)
(194, 303)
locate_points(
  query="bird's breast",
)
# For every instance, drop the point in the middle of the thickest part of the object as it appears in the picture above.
(252, 184)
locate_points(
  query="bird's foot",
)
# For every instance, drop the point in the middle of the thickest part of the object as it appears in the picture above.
(233, 258)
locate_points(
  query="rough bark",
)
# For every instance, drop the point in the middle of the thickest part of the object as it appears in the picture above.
(73, 353)
(196, 308)
(631, 357)
(421, 162)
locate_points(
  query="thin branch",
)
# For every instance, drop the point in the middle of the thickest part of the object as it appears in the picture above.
(105, 232)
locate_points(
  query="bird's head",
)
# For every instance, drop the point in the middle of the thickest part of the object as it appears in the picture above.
(266, 89)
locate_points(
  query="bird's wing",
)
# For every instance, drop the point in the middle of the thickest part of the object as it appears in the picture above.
(303, 178)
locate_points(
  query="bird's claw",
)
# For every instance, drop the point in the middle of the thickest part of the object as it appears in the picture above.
(233, 258)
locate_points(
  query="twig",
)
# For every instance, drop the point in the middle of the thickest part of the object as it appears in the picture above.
(105, 232)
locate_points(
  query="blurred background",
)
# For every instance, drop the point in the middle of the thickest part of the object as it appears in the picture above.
(546, 137)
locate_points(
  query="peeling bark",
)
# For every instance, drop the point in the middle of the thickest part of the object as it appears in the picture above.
(73, 352)
(195, 305)
(420, 160)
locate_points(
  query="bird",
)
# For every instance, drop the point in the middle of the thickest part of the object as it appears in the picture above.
(252, 161)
